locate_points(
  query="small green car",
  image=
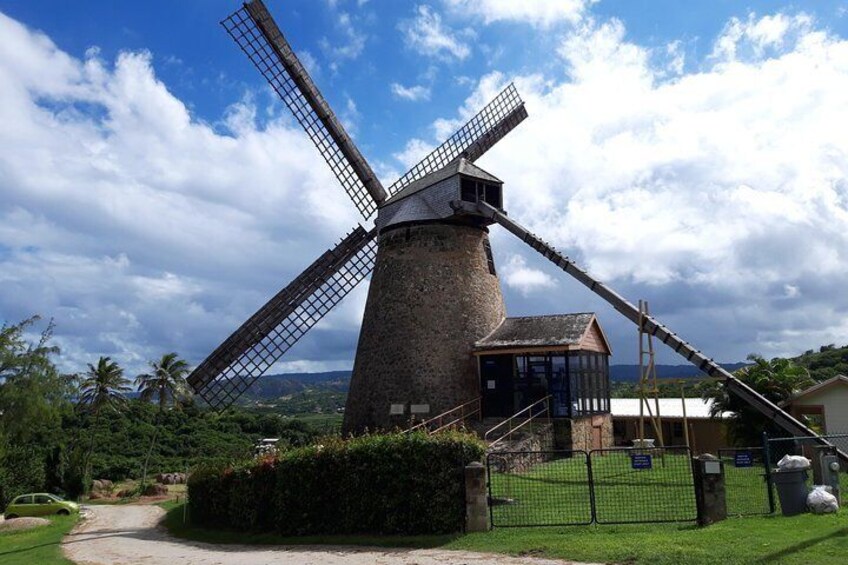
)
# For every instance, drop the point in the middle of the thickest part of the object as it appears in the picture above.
(40, 504)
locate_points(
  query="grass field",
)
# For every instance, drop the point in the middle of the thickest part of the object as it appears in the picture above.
(798, 540)
(557, 492)
(38, 545)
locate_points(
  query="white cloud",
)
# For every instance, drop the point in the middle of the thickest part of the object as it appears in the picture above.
(428, 35)
(756, 35)
(349, 45)
(536, 12)
(413, 93)
(516, 274)
(725, 187)
(140, 228)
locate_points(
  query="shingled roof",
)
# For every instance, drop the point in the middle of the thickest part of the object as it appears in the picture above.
(460, 166)
(554, 331)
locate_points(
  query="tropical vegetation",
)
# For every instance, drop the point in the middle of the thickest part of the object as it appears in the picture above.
(776, 379)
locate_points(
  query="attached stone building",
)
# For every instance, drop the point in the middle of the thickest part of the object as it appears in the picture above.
(564, 356)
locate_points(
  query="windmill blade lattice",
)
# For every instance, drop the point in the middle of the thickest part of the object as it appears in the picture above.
(263, 339)
(478, 135)
(255, 31)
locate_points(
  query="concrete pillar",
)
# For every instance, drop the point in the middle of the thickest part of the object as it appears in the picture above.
(710, 491)
(476, 498)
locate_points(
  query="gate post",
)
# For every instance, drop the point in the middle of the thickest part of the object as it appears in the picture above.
(710, 490)
(476, 498)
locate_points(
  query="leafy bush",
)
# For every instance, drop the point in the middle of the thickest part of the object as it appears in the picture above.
(379, 484)
(21, 471)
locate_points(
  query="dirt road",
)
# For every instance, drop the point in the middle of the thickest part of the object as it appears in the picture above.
(124, 535)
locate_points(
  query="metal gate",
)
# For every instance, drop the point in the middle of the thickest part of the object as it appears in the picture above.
(746, 481)
(606, 486)
(539, 488)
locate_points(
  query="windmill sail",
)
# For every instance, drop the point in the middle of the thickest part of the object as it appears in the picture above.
(652, 326)
(478, 135)
(263, 339)
(255, 31)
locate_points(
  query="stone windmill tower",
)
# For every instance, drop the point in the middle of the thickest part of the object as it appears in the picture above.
(434, 291)
(433, 294)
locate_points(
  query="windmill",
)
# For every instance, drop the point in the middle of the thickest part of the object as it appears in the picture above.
(434, 290)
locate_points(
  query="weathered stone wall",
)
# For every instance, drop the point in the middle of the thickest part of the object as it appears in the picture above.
(578, 433)
(431, 297)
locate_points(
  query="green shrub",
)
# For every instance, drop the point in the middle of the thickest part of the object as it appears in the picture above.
(21, 471)
(378, 484)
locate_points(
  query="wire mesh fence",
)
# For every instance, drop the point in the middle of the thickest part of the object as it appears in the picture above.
(746, 481)
(539, 488)
(813, 449)
(607, 486)
(634, 485)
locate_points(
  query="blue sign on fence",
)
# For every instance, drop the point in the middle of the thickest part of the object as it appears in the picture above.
(640, 461)
(743, 459)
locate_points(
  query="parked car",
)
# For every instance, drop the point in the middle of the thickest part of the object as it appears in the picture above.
(40, 504)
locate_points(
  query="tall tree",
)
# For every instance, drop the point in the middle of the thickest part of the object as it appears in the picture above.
(34, 396)
(166, 383)
(777, 380)
(102, 387)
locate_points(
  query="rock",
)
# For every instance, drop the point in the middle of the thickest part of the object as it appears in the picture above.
(126, 493)
(100, 485)
(155, 490)
(95, 495)
(22, 523)
(160, 478)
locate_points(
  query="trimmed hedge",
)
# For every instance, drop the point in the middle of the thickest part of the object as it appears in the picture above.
(377, 484)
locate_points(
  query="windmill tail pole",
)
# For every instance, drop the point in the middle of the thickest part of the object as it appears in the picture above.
(769, 409)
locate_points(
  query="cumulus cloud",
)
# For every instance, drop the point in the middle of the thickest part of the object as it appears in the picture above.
(516, 274)
(537, 12)
(349, 44)
(427, 34)
(413, 93)
(140, 228)
(722, 193)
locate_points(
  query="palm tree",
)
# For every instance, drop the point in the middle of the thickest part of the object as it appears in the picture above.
(777, 380)
(166, 383)
(102, 387)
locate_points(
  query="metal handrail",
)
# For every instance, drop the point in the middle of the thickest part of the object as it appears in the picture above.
(439, 419)
(508, 421)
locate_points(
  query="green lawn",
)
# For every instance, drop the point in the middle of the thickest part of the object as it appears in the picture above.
(557, 492)
(803, 539)
(36, 546)
(763, 539)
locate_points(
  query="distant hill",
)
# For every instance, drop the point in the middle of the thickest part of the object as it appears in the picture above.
(825, 363)
(630, 373)
(272, 387)
(286, 384)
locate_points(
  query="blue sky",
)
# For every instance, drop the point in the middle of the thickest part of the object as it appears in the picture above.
(155, 193)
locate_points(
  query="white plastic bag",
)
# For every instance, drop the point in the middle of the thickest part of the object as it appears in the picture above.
(820, 501)
(793, 462)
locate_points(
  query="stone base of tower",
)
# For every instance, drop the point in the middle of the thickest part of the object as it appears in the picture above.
(433, 294)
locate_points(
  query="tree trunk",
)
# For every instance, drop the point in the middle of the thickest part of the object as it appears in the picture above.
(150, 450)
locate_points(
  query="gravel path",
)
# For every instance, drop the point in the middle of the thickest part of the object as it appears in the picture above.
(123, 535)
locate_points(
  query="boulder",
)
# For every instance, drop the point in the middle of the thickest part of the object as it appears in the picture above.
(155, 490)
(100, 485)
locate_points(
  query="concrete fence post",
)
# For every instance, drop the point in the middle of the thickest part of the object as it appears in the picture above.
(710, 490)
(476, 498)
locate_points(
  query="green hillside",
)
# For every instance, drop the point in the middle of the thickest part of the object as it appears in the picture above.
(825, 363)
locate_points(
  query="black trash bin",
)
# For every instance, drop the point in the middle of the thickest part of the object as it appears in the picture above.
(792, 490)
